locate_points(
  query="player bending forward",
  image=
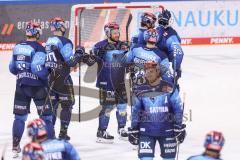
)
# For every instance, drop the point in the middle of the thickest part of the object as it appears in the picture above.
(213, 145)
(41, 148)
(28, 65)
(156, 116)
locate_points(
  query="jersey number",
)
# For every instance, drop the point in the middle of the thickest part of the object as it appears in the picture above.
(51, 57)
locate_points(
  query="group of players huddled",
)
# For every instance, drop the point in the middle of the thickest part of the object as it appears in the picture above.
(152, 59)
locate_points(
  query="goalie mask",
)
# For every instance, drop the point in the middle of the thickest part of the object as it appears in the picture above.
(33, 29)
(151, 36)
(214, 141)
(37, 129)
(58, 24)
(148, 20)
(112, 31)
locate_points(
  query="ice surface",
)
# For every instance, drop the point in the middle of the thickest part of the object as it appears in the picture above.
(210, 79)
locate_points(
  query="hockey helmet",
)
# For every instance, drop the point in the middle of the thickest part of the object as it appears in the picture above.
(33, 29)
(33, 151)
(37, 129)
(151, 35)
(57, 23)
(214, 141)
(150, 64)
(148, 19)
(109, 27)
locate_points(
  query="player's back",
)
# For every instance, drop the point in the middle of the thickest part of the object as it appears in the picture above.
(59, 49)
(59, 150)
(22, 64)
(167, 36)
(202, 157)
(139, 55)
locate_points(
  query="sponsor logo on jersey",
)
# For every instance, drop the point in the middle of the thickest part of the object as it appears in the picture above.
(53, 156)
(145, 147)
(21, 58)
(20, 107)
(27, 75)
(158, 109)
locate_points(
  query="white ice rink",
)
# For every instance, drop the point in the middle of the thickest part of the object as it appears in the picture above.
(211, 76)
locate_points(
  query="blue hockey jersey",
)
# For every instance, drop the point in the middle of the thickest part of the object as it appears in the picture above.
(112, 65)
(27, 64)
(59, 150)
(202, 157)
(139, 55)
(156, 110)
(170, 42)
(60, 49)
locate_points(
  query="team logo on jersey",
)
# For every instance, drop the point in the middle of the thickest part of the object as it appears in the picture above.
(145, 147)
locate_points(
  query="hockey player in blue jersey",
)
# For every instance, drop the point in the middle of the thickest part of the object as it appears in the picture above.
(28, 65)
(156, 116)
(60, 59)
(110, 57)
(213, 145)
(147, 22)
(170, 42)
(140, 54)
(52, 148)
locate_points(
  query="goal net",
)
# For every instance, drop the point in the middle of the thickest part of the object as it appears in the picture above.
(89, 20)
(87, 23)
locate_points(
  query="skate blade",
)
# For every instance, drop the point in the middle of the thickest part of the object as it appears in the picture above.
(106, 141)
(123, 138)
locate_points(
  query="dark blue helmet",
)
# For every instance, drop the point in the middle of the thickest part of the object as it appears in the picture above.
(33, 151)
(164, 18)
(148, 20)
(214, 141)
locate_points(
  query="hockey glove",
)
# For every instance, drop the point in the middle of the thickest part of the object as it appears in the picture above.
(80, 51)
(180, 132)
(133, 136)
(89, 59)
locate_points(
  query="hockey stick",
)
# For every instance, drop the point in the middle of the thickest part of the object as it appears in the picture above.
(127, 39)
(178, 145)
(79, 78)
